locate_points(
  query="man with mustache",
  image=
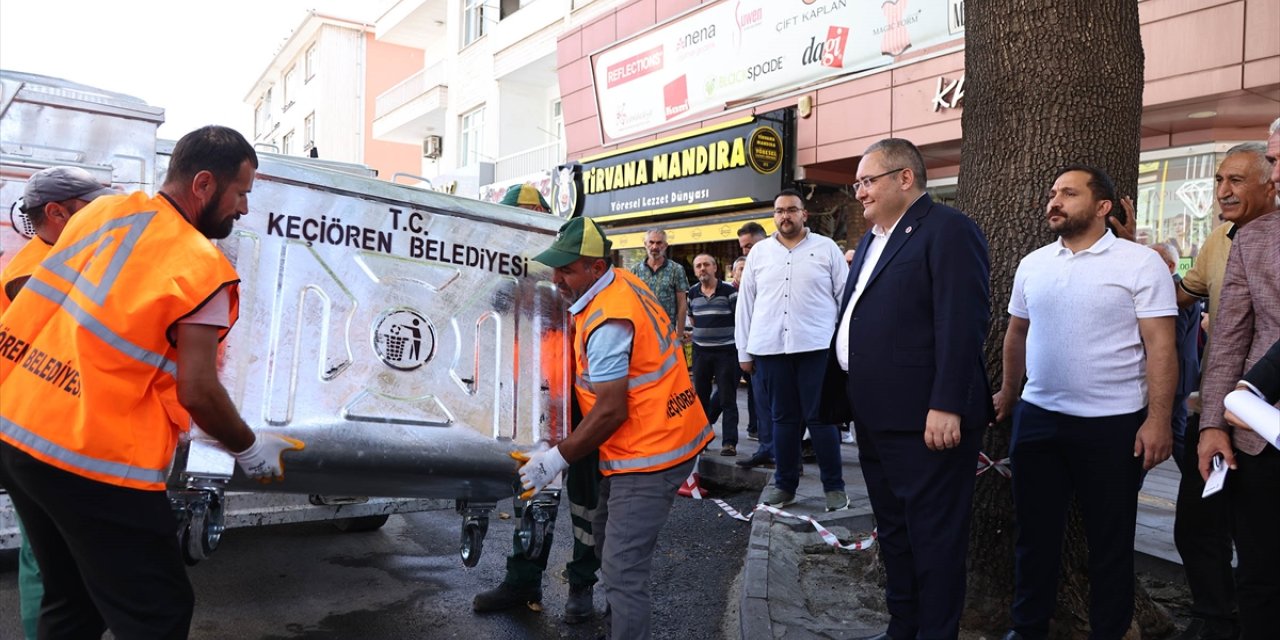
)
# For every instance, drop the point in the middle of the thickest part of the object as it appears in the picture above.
(639, 413)
(711, 307)
(1201, 529)
(1246, 326)
(665, 278)
(109, 354)
(1091, 324)
(786, 314)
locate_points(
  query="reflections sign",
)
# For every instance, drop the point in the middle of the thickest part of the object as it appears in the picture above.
(740, 50)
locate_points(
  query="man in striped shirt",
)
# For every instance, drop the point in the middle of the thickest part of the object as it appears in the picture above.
(715, 357)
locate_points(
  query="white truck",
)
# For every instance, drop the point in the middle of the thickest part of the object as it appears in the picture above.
(404, 335)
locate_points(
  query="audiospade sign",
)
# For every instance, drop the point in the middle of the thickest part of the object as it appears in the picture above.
(737, 164)
(741, 50)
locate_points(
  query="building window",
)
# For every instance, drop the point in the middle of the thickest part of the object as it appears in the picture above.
(262, 120)
(287, 147)
(310, 63)
(290, 87)
(309, 131)
(508, 7)
(557, 127)
(472, 21)
(471, 138)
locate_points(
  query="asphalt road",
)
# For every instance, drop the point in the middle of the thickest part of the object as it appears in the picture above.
(308, 581)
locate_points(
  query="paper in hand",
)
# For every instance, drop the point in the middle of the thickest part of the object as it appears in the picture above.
(1217, 477)
(1263, 418)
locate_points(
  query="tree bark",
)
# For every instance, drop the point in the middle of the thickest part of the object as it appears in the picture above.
(1046, 84)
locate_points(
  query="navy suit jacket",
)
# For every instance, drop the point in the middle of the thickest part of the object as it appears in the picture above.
(917, 332)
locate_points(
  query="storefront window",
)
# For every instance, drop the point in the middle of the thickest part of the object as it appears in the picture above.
(1175, 201)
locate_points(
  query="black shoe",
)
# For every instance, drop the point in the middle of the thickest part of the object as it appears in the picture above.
(505, 596)
(752, 434)
(580, 607)
(757, 460)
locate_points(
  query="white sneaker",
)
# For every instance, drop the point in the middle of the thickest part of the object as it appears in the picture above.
(847, 436)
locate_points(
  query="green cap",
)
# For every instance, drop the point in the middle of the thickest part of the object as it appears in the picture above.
(578, 238)
(524, 195)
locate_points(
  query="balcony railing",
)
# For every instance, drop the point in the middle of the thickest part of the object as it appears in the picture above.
(541, 158)
(409, 88)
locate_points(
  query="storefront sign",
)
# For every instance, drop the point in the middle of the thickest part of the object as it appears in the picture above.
(948, 94)
(955, 16)
(738, 164)
(736, 50)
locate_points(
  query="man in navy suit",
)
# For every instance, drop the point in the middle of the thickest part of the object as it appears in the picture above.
(910, 335)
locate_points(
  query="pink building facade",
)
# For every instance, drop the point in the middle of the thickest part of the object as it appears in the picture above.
(1212, 79)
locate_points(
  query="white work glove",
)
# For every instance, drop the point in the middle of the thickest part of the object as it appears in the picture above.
(261, 461)
(542, 467)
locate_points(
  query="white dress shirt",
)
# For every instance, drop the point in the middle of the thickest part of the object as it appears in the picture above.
(879, 238)
(789, 298)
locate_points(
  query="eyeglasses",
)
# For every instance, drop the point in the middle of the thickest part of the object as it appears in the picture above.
(788, 210)
(865, 183)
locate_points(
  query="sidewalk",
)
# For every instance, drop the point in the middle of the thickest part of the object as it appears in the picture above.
(776, 602)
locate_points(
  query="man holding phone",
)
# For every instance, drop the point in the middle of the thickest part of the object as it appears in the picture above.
(1092, 326)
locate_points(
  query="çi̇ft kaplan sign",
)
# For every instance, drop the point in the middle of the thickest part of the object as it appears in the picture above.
(736, 164)
(737, 50)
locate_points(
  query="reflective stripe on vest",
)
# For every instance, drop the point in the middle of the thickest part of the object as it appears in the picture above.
(102, 331)
(100, 311)
(670, 362)
(34, 443)
(675, 455)
(665, 424)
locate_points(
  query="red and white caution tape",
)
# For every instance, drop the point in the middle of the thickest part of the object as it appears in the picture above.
(827, 536)
(985, 464)
(692, 487)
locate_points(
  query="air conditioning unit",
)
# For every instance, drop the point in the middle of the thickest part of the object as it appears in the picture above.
(432, 146)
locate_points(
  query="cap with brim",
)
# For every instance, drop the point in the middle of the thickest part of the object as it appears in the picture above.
(524, 194)
(57, 184)
(578, 238)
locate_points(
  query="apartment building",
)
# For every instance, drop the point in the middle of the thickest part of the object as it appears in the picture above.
(483, 105)
(316, 96)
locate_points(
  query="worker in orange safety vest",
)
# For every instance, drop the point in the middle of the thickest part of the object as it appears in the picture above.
(640, 413)
(106, 358)
(50, 198)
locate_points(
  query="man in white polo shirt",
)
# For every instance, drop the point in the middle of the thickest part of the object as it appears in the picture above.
(1092, 326)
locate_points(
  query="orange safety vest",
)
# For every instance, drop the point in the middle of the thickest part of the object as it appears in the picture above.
(665, 422)
(23, 263)
(88, 365)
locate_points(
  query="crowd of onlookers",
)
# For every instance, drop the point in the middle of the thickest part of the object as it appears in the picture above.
(1109, 368)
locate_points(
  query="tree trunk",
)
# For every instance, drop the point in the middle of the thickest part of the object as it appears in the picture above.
(1046, 84)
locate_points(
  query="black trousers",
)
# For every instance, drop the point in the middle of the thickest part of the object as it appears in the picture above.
(922, 502)
(1202, 533)
(720, 366)
(1054, 455)
(1255, 506)
(109, 555)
